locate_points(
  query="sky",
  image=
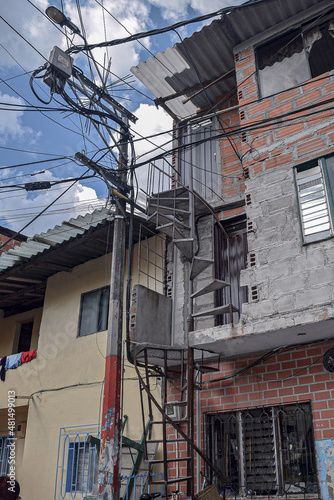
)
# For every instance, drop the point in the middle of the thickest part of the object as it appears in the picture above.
(40, 145)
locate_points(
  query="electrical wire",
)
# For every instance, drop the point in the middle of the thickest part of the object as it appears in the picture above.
(52, 183)
(159, 31)
(21, 36)
(254, 125)
(41, 213)
(35, 162)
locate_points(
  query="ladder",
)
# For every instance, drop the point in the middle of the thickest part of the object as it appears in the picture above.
(177, 369)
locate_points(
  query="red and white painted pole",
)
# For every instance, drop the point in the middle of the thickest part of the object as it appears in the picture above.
(111, 430)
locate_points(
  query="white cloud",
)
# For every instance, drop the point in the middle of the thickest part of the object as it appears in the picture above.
(11, 124)
(175, 10)
(36, 40)
(101, 24)
(152, 121)
(17, 210)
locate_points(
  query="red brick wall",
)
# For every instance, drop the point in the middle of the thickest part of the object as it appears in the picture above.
(299, 137)
(294, 375)
(11, 244)
(233, 180)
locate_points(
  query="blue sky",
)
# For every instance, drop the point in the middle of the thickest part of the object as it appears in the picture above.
(26, 39)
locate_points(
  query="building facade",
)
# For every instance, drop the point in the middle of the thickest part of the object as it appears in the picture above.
(251, 100)
(54, 303)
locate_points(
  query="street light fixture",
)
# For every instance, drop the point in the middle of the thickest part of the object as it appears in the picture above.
(59, 17)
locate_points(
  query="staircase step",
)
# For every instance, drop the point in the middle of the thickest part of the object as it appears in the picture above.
(179, 479)
(174, 440)
(176, 403)
(166, 219)
(210, 287)
(171, 481)
(199, 265)
(170, 230)
(186, 247)
(216, 310)
(208, 369)
(175, 421)
(169, 460)
(162, 209)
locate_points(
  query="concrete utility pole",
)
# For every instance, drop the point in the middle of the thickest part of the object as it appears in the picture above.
(58, 72)
(111, 431)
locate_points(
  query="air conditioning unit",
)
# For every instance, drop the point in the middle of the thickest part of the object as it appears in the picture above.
(175, 412)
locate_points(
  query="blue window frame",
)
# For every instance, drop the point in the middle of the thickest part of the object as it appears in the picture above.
(82, 467)
(4, 454)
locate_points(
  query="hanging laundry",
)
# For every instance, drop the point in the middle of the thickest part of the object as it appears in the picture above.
(3, 369)
(13, 361)
(28, 356)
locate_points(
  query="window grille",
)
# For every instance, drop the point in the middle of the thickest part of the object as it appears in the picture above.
(315, 188)
(264, 451)
(82, 466)
(4, 454)
(77, 463)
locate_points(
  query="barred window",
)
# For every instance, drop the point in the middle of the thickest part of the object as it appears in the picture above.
(82, 467)
(264, 451)
(4, 454)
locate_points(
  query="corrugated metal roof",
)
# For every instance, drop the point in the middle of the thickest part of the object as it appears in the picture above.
(210, 51)
(56, 236)
(25, 269)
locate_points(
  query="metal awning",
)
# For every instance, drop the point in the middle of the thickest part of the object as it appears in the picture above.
(207, 55)
(25, 269)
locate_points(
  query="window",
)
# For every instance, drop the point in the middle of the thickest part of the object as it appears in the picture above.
(200, 163)
(94, 311)
(264, 451)
(296, 57)
(25, 337)
(230, 259)
(4, 454)
(82, 467)
(315, 188)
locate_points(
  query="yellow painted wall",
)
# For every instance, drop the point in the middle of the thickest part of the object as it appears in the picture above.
(65, 381)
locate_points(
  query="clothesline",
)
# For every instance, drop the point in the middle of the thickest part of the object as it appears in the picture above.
(14, 360)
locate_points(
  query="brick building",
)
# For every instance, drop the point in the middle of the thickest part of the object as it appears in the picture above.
(251, 95)
(5, 235)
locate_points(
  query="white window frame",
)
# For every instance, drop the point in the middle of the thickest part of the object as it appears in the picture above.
(315, 199)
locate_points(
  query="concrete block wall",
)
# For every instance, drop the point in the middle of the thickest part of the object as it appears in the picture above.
(293, 375)
(283, 275)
